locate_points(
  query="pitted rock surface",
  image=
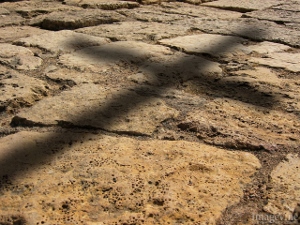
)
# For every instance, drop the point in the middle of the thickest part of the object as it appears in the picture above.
(104, 108)
(149, 112)
(19, 58)
(122, 180)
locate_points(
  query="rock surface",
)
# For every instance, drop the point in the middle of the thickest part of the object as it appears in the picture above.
(122, 180)
(149, 112)
(62, 41)
(18, 57)
(284, 194)
(244, 5)
(119, 110)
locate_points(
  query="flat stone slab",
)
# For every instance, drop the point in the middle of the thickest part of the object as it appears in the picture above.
(285, 60)
(276, 15)
(151, 60)
(180, 8)
(99, 178)
(8, 20)
(290, 6)
(103, 4)
(18, 90)
(243, 5)
(4, 11)
(61, 41)
(212, 44)
(249, 28)
(12, 33)
(73, 19)
(267, 47)
(232, 124)
(283, 197)
(118, 110)
(31, 9)
(18, 57)
(135, 31)
(153, 14)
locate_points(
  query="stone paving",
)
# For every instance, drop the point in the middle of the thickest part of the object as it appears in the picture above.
(149, 112)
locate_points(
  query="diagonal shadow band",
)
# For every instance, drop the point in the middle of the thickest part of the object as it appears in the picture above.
(22, 158)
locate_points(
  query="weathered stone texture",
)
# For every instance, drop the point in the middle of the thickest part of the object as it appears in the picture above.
(12, 33)
(244, 5)
(119, 110)
(61, 41)
(285, 191)
(18, 57)
(121, 180)
(73, 19)
(18, 90)
(248, 28)
(135, 31)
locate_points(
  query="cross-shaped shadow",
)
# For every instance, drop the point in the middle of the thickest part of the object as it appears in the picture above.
(25, 158)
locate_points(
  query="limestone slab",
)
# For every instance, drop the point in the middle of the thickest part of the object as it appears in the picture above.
(4, 11)
(285, 60)
(108, 5)
(199, 11)
(12, 33)
(36, 8)
(290, 6)
(61, 41)
(119, 110)
(249, 28)
(8, 20)
(243, 5)
(152, 14)
(267, 47)
(18, 57)
(73, 19)
(151, 60)
(276, 15)
(135, 31)
(225, 122)
(100, 177)
(283, 198)
(215, 45)
(18, 90)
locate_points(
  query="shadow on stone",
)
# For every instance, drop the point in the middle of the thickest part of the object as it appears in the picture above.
(25, 158)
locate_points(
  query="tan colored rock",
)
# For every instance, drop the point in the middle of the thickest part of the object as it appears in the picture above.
(229, 123)
(253, 29)
(9, 20)
(18, 57)
(154, 13)
(73, 19)
(36, 8)
(18, 90)
(258, 75)
(4, 11)
(284, 195)
(199, 11)
(61, 41)
(285, 60)
(135, 31)
(276, 15)
(108, 5)
(104, 179)
(212, 44)
(289, 6)
(151, 60)
(118, 110)
(267, 47)
(244, 5)
(12, 33)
